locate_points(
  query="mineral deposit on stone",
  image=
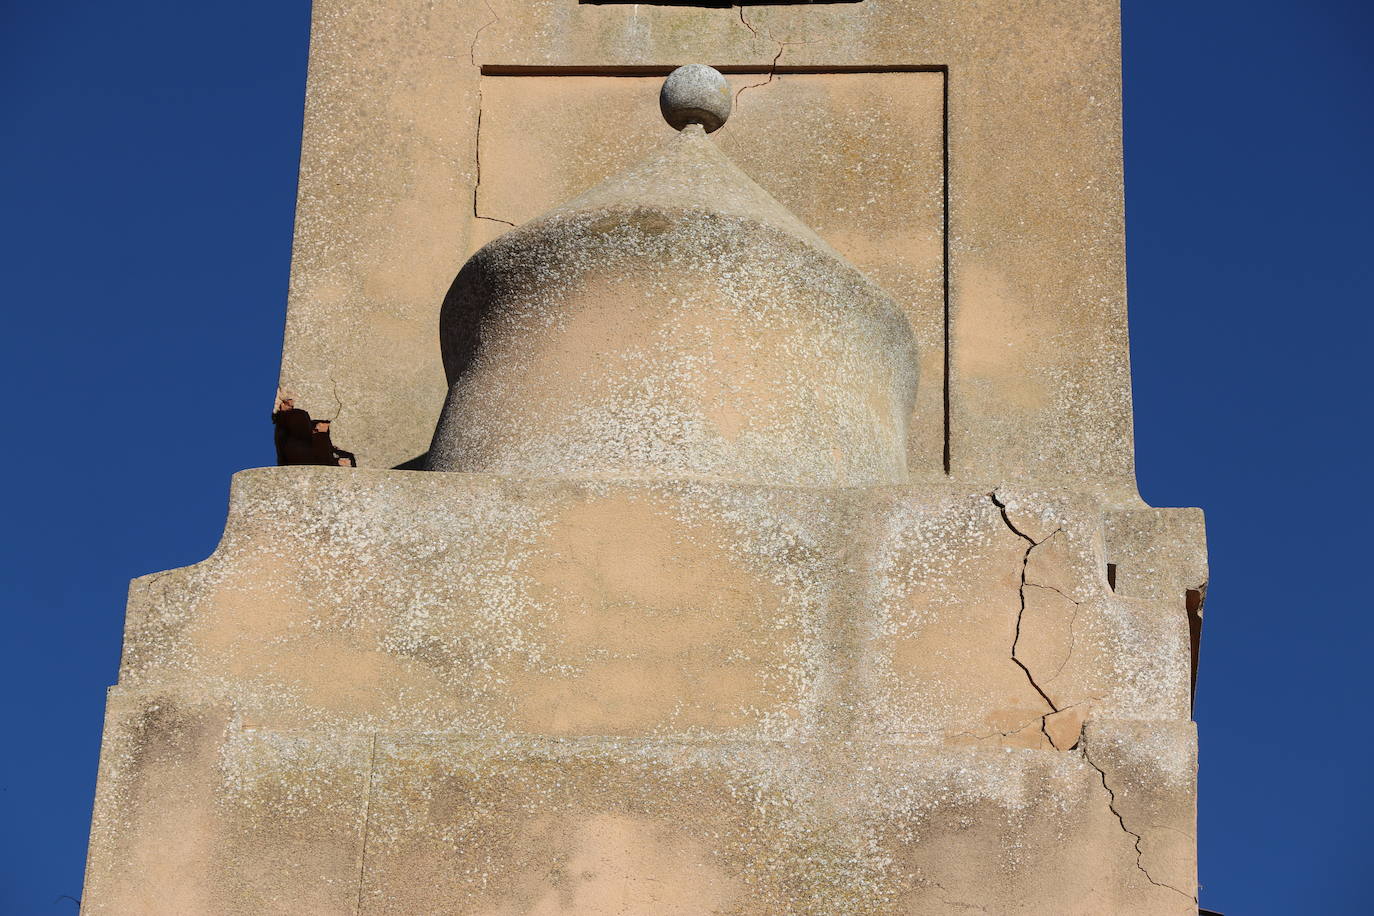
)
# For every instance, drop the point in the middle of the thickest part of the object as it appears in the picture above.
(749, 529)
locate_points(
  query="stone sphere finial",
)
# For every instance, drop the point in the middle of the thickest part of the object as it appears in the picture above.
(695, 94)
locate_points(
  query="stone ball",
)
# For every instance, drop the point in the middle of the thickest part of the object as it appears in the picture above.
(695, 94)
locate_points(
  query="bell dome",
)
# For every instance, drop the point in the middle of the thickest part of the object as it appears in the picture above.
(675, 321)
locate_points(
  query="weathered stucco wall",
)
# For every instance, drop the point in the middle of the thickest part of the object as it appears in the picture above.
(476, 694)
(841, 663)
(399, 186)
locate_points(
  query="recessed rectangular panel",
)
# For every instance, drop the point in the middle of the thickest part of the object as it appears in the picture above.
(857, 156)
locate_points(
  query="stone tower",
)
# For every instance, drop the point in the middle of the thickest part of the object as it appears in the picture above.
(746, 521)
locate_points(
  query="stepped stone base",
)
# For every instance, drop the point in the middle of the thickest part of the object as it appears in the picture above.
(400, 692)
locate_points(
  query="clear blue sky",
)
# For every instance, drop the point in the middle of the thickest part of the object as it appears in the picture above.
(149, 163)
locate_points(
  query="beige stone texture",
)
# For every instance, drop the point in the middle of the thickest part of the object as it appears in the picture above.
(1024, 99)
(458, 824)
(616, 696)
(847, 121)
(651, 608)
(674, 321)
(778, 549)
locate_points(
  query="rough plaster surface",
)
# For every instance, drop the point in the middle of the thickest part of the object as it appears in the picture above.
(471, 693)
(892, 233)
(393, 168)
(715, 644)
(674, 321)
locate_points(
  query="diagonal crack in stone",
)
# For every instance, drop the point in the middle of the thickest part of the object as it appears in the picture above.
(1138, 838)
(472, 48)
(773, 66)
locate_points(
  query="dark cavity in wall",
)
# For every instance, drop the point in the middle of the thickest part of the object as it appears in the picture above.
(1193, 600)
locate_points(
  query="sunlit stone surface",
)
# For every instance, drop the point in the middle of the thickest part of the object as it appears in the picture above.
(714, 597)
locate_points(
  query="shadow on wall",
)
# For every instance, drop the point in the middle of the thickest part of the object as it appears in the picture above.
(302, 440)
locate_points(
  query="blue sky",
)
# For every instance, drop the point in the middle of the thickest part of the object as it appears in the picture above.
(149, 162)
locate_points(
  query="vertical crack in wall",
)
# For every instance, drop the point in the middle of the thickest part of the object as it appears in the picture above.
(1021, 612)
(1138, 838)
(367, 817)
(477, 148)
(477, 132)
(747, 24)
